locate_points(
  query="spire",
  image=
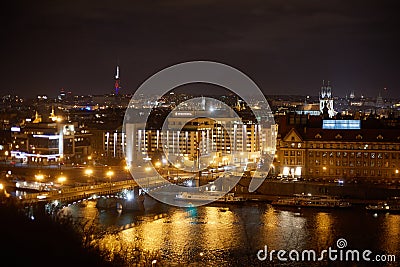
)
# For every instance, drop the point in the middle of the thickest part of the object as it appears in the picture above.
(117, 86)
(38, 118)
(323, 89)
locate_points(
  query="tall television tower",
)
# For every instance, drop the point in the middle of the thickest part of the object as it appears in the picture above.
(116, 84)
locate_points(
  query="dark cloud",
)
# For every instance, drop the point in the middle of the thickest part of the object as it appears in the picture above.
(285, 46)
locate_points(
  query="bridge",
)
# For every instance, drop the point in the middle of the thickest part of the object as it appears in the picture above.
(82, 192)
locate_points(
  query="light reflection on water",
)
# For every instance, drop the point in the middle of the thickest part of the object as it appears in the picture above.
(233, 236)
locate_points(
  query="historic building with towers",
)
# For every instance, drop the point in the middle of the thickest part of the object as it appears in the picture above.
(326, 100)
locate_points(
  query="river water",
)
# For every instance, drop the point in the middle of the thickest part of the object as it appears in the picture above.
(232, 235)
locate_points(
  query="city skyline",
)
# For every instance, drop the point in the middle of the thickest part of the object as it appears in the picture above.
(285, 47)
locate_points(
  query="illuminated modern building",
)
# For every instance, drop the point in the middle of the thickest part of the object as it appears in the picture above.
(201, 138)
(310, 147)
(48, 142)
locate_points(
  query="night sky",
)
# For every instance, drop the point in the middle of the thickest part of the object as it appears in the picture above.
(285, 46)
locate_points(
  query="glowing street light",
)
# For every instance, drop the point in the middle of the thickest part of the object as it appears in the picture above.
(148, 169)
(89, 172)
(110, 173)
(178, 165)
(39, 177)
(62, 179)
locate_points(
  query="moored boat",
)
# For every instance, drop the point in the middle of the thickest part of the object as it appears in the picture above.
(208, 196)
(392, 205)
(316, 201)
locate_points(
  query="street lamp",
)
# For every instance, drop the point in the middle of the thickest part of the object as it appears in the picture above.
(148, 169)
(5, 156)
(39, 177)
(89, 172)
(126, 168)
(61, 179)
(110, 174)
(178, 165)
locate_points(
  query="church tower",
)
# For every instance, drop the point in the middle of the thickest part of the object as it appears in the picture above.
(326, 99)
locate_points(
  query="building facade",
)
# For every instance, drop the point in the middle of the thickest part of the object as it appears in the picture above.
(307, 149)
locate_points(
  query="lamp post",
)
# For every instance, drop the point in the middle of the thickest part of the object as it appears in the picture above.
(110, 174)
(158, 164)
(178, 165)
(61, 180)
(89, 173)
(148, 169)
(39, 177)
(126, 168)
(5, 156)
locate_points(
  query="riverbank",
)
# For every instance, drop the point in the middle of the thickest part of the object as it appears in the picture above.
(357, 194)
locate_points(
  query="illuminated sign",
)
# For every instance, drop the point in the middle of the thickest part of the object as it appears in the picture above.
(15, 129)
(183, 114)
(341, 124)
(51, 137)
